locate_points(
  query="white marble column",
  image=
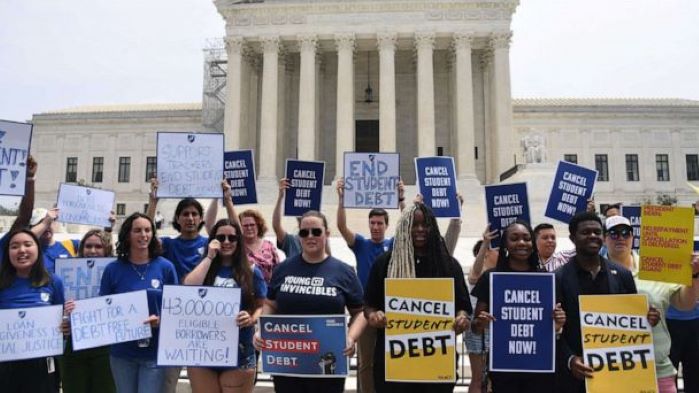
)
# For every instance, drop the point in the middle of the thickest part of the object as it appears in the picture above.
(232, 126)
(307, 98)
(345, 99)
(502, 103)
(424, 43)
(465, 137)
(268, 121)
(387, 91)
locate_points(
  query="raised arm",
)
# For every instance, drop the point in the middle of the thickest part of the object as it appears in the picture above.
(401, 195)
(451, 237)
(45, 223)
(228, 202)
(277, 214)
(210, 215)
(152, 198)
(477, 269)
(346, 233)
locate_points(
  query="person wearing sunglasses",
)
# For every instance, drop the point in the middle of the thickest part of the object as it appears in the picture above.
(226, 265)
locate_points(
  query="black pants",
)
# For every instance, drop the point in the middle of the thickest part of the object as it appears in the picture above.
(506, 382)
(27, 376)
(308, 385)
(381, 386)
(685, 350)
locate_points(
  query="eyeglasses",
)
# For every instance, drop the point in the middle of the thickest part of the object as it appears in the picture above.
(312, 231)
(616, 233)
(231, 238)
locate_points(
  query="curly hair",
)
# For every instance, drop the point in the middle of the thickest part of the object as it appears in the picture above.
(105, 238)
(38, 275)
(259, 220)
(123, 247)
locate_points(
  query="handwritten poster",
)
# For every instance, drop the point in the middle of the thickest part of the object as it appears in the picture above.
(436, 178)
(27, 333)
(189, 164)
(239, 172)
(15, 140)
(667, 234)
(371, 180)
(572, 187)
(305, 187)
(81, 276)
(85, 205)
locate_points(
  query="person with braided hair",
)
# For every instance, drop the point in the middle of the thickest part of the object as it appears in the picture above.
(418, 252)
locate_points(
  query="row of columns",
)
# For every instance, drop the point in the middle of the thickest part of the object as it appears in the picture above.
(501, 108)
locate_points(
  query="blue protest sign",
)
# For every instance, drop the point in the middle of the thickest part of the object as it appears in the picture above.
(85, 205)
(81, 276)
(633, 213)
(436, 178)
(189, 164)
(15, 139)
(27, 333)
(306, 346)
(239, 172)
(505, 204)
(572, 187)
(371, 180)
(522, 337)
(305, 187)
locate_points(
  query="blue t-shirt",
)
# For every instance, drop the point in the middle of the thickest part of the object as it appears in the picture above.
(21, 294)
(291, 245)
(224, 278)
(366, 251)
(327, 287)
(55, 251)
(121, 277)
(185, 254)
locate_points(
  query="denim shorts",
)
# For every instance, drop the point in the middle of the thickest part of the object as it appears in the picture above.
(474, 342)
(246, 359)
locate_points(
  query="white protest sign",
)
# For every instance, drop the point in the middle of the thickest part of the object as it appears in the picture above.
(81, 276)
(85, 205)
(189, 165)
(27, 333)
(15, 139)
(197, 326)
(111, 319)
(371, 180)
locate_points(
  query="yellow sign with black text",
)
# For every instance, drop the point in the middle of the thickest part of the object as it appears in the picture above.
(667, 234)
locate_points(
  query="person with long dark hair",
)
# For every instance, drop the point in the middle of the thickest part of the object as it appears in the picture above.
(226, 265)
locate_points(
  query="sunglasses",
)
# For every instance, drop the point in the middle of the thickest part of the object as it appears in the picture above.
(615, 234)
(231, 238)
(303, 233)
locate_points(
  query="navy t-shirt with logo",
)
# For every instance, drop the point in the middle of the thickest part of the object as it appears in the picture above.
(185, 254)
(21, 294)
(224, 278)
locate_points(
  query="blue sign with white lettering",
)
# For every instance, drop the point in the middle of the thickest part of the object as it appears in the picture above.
(239, 172)
(505, 204)
(633, 213)
(572, 187)
(522, 337)
(306, 346)
(436, 178)
(305, 187)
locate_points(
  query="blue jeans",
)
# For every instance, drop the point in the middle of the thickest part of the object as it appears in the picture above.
(136, 375)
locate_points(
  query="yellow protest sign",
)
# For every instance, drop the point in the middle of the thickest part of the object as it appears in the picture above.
(617, 343)
(420, 342)
(667, 234)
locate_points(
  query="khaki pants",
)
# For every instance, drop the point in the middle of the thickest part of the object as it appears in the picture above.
(365, 360)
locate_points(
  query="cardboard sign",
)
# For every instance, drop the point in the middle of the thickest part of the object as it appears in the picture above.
(15, 140)
(189, 165)
(633, 213)
(371, 180)
(436, 178)
(239, 172)
(304, 345)
(81, 276)
(85, 205)
(27, 333)
(198, 328)
(111, 319)
(306, 187)
(522, 337)
(420, 341)
(572, 187)
(667, 234)
(505, 204)
(617, 343)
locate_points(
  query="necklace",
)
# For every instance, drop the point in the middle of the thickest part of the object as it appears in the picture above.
(142, 276)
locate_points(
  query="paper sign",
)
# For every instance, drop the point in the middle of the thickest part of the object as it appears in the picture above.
(633, 213)
(572, 187)
(111, 319)
(304, 345)
(85, 205)
(239, 172)
(436, 178)
(522, 337)
(198, 326)
(505, 204)
(306, 187)
(81, 276)
(371, 180)
(27, 333)
(667, 234)
(617, 343)
(189, 165)
(15, 140)
(420, 341)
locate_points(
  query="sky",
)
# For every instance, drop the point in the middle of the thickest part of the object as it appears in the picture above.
(59, 54)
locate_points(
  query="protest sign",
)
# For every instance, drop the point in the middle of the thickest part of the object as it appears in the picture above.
(15, 140)
(239, 172)
(197, 326)
(436, 178)
(189, 164)
(617, 343)
(85, 205)
(505, 204)
(572, 187)
(522, 337)
(633, 213)
(420, 341)
(81, 276)
(305, 187)
(304, 345)
(667, 233)
(111, 319)
(27, 333)
(371, 180)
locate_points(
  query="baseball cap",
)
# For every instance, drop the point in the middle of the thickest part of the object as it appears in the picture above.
(37, 215)
(613, 221)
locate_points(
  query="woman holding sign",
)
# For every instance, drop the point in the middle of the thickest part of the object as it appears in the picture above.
(226, 265)
(25, 282)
